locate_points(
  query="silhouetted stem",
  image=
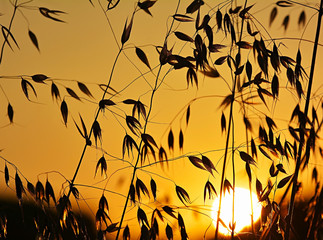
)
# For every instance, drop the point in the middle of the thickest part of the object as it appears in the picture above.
(96, 117)
(265, 233)
(9, 28)
(223, 168)
(233, 181)
(251, 203)
(317, 213)
(138, 156)
(250, 191)
(144, 131)
(250, 187)
(303, 125)
(228, 137)
(303, 5)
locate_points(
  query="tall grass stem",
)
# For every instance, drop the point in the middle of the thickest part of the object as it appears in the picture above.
(302, 133)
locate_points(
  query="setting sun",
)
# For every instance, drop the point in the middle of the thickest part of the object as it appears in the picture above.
(242, 210)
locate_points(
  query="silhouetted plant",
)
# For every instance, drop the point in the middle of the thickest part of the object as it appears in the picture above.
(253, 66)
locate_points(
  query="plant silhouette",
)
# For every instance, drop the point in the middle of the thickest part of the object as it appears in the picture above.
(175, 155)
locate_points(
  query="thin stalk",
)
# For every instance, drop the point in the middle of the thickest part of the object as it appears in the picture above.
(304, 5)
(250, 187)
(315, 221)
(265, 234)
(96, 117)
(138, 156)
(250, 191)
(144, 130)
(9, 28)
(233, 182)
(228, 137)
(251, 203)
(303, 124)
(224, 163)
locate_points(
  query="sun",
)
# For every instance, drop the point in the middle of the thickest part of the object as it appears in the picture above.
(242, 210)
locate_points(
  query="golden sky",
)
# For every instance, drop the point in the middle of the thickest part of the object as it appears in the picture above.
(83, 49)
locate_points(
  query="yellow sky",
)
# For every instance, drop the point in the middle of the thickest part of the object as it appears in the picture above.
(84, 49)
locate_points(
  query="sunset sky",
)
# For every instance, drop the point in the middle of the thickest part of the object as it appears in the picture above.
(83, 48)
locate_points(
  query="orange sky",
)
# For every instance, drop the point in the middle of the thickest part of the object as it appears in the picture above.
(84, 49)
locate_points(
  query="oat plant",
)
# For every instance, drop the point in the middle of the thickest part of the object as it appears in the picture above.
(225, 42)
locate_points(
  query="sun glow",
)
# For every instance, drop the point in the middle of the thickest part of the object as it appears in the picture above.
(242, 210)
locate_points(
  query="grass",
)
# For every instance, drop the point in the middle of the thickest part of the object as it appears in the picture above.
(257, 74)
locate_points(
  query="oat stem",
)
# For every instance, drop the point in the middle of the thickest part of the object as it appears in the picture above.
(228, 136)
(303, 125)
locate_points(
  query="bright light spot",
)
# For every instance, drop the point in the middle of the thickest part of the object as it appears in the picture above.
(242, 210)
